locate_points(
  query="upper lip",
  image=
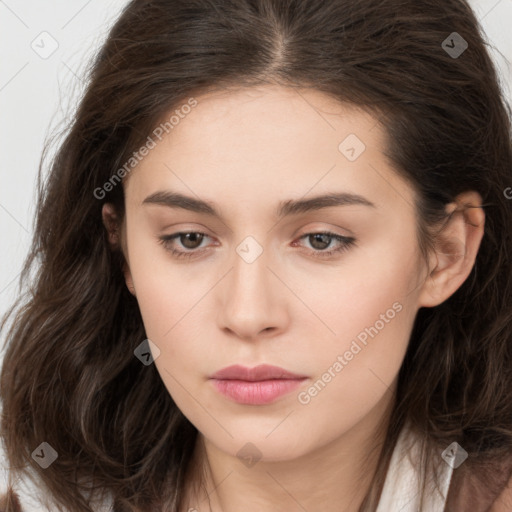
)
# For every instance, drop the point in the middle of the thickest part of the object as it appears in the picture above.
(258, 373)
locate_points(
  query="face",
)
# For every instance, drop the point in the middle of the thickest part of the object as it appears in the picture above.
(267, 272)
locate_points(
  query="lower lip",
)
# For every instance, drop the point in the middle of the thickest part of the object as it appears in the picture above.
(256, 393)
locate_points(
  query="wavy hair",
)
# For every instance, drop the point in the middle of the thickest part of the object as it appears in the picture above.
(69, 376)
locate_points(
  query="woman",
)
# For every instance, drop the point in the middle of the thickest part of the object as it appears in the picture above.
(274, 268)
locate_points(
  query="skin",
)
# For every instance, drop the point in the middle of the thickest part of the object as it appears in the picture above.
(245, 151)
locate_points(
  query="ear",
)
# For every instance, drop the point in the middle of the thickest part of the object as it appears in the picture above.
(112, 224)
(455, 249)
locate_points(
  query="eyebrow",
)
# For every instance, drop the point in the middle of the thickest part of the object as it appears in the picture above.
(285, 208)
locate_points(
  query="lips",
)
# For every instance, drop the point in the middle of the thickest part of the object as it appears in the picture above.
(258, 373)
(261, 385)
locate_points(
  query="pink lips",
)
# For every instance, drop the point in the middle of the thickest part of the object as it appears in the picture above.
(255, 386)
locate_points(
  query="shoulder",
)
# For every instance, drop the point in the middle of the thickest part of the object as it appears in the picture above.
(483, 486)
(404, 477)
(504, 501)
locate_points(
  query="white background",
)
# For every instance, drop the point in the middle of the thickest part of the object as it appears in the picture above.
(37, 94)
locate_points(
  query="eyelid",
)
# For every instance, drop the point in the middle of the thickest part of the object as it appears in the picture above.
(324, 227)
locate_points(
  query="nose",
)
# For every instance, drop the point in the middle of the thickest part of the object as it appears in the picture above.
(253, 302)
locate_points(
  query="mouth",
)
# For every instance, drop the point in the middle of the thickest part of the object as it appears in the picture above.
(257, 392)
(261, 385)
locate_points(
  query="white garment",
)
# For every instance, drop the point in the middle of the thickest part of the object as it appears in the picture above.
(26, 493)
(400, 492)
(31, 499)
(402, 484)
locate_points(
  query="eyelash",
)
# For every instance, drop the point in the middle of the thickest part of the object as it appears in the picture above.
(346, 243)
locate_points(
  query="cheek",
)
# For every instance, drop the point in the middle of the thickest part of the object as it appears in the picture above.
(366, 284)
(163, 291)
(170, 310)
(367, 310)
(356, 371)
(173, 304)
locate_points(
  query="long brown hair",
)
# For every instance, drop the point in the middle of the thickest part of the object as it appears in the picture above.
(69, 376)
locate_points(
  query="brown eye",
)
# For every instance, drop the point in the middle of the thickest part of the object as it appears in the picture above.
(320, 241)
(191, 240)
(185, 244)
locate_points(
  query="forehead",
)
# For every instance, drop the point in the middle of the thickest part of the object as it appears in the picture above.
(267, 144)
(269, 116)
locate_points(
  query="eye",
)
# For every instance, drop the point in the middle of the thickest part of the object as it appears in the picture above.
(189, 239)
(321, 240)
(192, 240)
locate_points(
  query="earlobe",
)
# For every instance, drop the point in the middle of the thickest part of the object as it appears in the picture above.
(446, 275)
(455, 250)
